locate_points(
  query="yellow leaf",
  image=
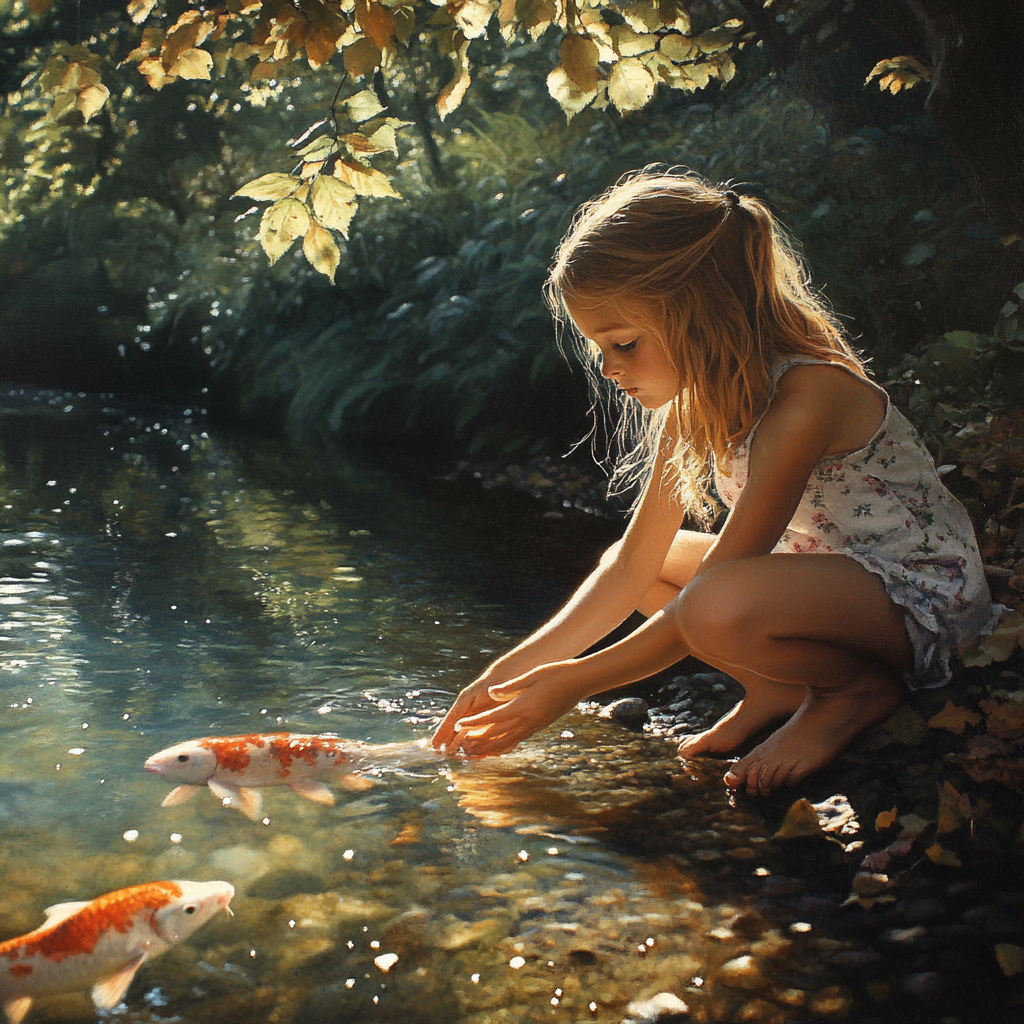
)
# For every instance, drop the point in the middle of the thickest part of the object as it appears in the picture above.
(1003, 719)
(535, 15)
(473, 17)
(321, 250)
(642, 16)
(364, 180)
(383, 139)
(677, 47)
(899, 73)
(937, 855)
(716, 40)
(140, 10)
(629, 44)
(264, 69)
(868, 883)
(334, 203)
(451, 95)
(362, 57)
(998, 646)
(567, 93)
(1010, 958)
(91, 99)
(953, 718)
(801, 820)
(272, 186)
(630, 85)
(153, 71)
(673, 16)
(281, 224)
(579, 60)
(192, 65)
(954, 809)
(363, 105)
(886, 819)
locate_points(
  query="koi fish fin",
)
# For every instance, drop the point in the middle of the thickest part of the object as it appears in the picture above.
(59, 911)
(109, 991)
(252, 801)
(17, 1008)
(313, 790)
(356, 783)
(231, 796)
(179, 795)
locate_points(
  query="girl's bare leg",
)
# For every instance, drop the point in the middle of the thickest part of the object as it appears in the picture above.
(766, 700)
(818, 626)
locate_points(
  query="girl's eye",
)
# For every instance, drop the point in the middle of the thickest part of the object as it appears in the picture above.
(627, 347)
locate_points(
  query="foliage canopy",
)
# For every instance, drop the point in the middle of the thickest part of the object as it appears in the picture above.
(606, 54)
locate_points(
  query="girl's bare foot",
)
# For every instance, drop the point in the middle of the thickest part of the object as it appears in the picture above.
(766, 702)
(824, 724)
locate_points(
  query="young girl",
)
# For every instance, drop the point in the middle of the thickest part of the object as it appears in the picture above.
(844, 565)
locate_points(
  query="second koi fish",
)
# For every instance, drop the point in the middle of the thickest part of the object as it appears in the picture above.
(236, 767)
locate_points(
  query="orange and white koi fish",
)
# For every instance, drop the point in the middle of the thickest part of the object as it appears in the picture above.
(235, 767)
(103, 942)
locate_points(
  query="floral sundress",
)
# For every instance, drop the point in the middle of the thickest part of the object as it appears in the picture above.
(884, 506)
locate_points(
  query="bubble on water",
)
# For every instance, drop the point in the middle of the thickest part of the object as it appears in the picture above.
(554, 1000)
(252, 953)
(567, 735)
(77, 751)
(291, 923)
(131, 835)
(375, 944)
(376, 999)
(552, 851)
(85, 725)
(266, 821)
(176, 837)
(800, 926)
(350, 944)
(516, 962)
(348, 854)
(125, 717)
(762, 872)
(475, 978)
(698, 982)
(263, 711)
(649, 942)
(592, 1007)
(350, 982)
(325, 710)
(523, 856)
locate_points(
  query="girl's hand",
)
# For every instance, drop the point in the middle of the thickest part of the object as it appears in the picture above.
(519, 708)
(472, 700)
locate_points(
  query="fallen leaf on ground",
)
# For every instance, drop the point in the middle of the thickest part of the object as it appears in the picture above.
(939, 855)
(988, 746)
(913, 825)
(1004, 770)
(954, 718)
(998, 646)
(886, 819)
(954, 809)
(1010, 957)
(802, 820)
(1004, 719)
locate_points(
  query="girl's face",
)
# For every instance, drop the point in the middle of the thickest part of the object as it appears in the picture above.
(631, 357)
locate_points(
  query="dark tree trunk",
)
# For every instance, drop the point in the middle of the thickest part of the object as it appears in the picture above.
(976, 51)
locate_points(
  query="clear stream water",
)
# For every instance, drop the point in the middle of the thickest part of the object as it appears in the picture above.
(163, 581)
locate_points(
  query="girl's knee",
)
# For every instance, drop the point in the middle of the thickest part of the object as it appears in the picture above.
(717, 613)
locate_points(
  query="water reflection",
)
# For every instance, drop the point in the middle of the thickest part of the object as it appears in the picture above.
(161, 583)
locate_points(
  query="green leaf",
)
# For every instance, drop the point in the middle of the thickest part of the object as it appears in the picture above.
(271, 186)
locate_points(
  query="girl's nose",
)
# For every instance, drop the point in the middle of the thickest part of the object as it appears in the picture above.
(609, 368)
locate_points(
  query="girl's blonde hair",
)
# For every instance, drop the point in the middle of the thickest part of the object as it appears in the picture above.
(712, 276)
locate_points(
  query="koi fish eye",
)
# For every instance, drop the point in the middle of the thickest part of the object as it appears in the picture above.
(190, 909)
(183, 758)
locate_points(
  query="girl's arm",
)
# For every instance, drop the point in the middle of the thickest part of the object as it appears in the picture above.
(803, 424)
(604, 600)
